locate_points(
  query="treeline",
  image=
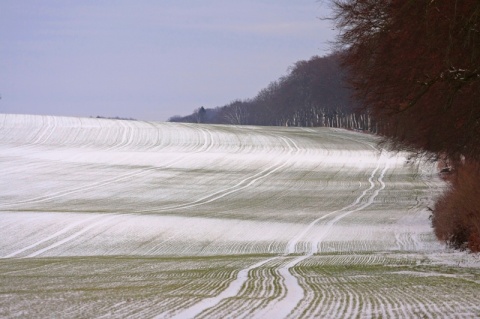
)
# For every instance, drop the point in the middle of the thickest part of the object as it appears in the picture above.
(415, 65)
(313, 93)
(114, 118)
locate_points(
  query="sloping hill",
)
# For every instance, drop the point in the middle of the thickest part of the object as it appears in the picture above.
(139, 219)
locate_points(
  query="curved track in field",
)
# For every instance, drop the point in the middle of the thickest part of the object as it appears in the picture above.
(287, 303)
(163, 220)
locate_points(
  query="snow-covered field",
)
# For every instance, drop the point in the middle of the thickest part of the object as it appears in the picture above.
(128, 219)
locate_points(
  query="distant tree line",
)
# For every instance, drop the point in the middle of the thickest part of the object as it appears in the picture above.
(114, 118)
(313, 93)
(415, 67)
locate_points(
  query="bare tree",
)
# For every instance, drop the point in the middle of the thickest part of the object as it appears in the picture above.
(415, 65)
(236, 114)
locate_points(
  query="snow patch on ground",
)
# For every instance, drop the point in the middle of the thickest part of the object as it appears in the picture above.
(213, 220)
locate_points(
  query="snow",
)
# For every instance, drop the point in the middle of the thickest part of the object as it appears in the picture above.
(221, 220)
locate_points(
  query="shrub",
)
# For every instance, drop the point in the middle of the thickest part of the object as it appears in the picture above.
(456, 216)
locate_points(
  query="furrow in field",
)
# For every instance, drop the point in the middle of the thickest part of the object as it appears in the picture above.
(103, 220)
(330, 299)
(148, 285)
(92, 134)
(352, 307)
(293, 288)
(410, 306)
(121, 137)
(47, 135)
(334, 298)
(23, 165)
(295, 293)
(91, 186)
(231, 291)
(234, 287)
(243, 184)
(329, 225)
(363, 234)
(263, 285)
(103, 183)
(291, 246)
(44, 130)
(386, 295)
(209, 142)
(219, 194)
(53, 236)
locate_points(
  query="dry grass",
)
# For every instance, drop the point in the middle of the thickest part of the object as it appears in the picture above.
(456, 217)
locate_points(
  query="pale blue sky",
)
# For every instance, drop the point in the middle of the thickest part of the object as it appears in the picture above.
(149, 59)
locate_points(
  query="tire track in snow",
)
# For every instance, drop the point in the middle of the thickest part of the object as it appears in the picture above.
(32, 165)
(232, 291)
(286, 267)
(40, 199)
(234, 287)
(127, 132)
(368, 203)
(207, 145)
(237, 187)
(208, 140)
(105, 182)
(74, 190)
(56, 234)
(74, 235)
(258, 176)
(41, 131)
(126, 139)
(291, 245)
(262, 286)
(45, 130)
(295, 293)
(206, 137)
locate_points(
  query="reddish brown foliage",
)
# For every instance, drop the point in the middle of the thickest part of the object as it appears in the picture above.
(456, 218)
(415, 65)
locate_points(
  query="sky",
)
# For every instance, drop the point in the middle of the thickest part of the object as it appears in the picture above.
(150, 59)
